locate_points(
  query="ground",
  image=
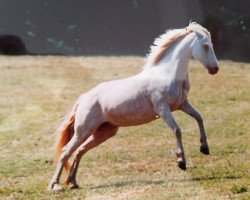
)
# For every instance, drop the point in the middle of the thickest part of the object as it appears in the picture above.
(139, 162)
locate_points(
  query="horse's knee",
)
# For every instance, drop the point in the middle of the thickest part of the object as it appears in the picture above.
(198, 117)
(67, 151)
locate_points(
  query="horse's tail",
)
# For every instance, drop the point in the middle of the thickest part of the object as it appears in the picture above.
(66, 131)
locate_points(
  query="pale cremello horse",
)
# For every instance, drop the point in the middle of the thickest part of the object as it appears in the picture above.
(160, 88)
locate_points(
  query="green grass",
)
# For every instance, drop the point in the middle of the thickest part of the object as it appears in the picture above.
(139, 162)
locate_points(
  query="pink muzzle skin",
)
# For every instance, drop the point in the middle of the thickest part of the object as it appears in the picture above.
(213, 70)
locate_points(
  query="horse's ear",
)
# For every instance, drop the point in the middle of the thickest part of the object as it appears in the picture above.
(199, 36)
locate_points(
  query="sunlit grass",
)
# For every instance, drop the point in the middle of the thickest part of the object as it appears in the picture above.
(139, 162)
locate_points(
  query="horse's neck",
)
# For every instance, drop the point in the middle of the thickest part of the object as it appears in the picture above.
(175, 63)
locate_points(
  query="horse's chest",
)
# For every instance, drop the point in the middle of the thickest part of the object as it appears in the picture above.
(176, 94)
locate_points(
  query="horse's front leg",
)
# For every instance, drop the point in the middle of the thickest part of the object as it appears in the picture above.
(164, 112)
(188, 108)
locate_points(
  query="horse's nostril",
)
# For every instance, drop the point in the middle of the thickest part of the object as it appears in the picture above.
(216, 69)
(213, 70)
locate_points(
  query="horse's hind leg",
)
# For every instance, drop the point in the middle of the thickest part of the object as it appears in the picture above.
(188, 108)
(79, 137)
(104, 132)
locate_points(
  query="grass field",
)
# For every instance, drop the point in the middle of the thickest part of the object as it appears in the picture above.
(139, 162)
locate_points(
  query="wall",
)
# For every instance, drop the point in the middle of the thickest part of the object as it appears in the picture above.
(121, 27)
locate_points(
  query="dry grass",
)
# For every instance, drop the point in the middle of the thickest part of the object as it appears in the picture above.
(139, 163)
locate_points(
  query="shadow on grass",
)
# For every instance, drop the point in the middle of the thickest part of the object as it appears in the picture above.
(158, 182)
(127, 183)
(213, 178)
(140, 182)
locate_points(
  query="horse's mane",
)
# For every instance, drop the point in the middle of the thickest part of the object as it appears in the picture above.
(170, 37)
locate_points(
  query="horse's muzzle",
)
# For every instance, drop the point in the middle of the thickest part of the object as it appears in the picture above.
(213, 70)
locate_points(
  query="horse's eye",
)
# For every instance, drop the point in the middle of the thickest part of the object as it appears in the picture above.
(206, 47)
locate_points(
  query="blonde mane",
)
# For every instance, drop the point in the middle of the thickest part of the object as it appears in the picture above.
(165, 41)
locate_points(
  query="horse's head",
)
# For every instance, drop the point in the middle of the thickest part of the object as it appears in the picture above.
(202, 50)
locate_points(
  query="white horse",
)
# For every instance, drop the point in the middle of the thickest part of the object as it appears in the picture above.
(160, 88)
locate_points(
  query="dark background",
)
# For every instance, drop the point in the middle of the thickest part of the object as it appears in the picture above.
(118, 27)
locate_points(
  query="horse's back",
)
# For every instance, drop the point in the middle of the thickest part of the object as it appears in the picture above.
(126, 102)
(123, 102)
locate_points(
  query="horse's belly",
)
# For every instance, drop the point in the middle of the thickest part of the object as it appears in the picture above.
(130, 113)
(130, 118)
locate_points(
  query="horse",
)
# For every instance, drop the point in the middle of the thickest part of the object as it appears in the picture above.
(160, 88)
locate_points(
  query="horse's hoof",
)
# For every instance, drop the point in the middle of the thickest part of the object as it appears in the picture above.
(72, 184)
(204, 150)
(55, 187)
(182, 165)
